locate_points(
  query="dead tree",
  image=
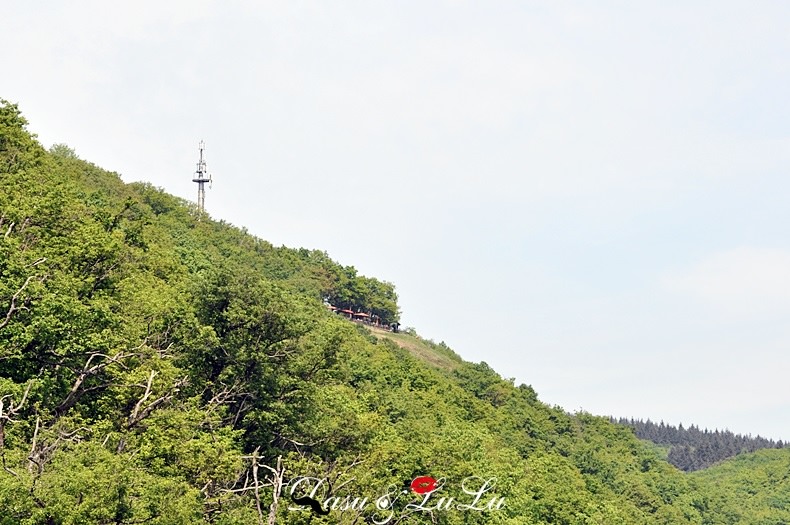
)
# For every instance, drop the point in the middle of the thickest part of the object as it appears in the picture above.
(8, 410)
(139, 413)
(251, 482)
(89, 369)
(41, 452)
(277, 487)
(15, 305)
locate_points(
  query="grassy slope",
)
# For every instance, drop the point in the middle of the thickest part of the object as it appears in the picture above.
(429, 352)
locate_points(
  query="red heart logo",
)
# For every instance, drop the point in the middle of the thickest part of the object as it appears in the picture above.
(423, 484)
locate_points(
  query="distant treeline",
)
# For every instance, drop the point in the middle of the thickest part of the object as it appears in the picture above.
(694, 449)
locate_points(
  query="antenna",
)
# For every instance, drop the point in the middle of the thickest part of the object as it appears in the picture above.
(201, 177)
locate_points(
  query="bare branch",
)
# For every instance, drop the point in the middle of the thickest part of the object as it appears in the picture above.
(87, 371)
(13, 308)
(256, 486)
(143, 399)
(297, 445)
(277, 482)
(227, 397)
(31, 456)
(7, 468)
(138, 415)
(39, 455)
(6, 416)
(37, 262)
(240, 411)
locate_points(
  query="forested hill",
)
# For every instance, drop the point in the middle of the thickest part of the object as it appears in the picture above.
(692, 449)
(160, 367)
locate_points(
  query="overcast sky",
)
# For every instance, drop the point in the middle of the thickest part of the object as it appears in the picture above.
(589, 196)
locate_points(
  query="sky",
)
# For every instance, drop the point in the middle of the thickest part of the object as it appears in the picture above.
(591, 197)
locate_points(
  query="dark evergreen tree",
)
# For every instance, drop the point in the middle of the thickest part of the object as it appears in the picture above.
(691, 449)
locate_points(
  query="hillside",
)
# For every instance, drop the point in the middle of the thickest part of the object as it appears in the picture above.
(160, 367)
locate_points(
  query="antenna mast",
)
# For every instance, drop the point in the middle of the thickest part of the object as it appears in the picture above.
(201, 177)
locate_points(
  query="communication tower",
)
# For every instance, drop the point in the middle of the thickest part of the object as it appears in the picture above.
(201, 177)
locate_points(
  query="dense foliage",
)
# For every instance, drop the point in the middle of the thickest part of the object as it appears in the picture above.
(160, 367)
(692, 449)
(752, 488)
